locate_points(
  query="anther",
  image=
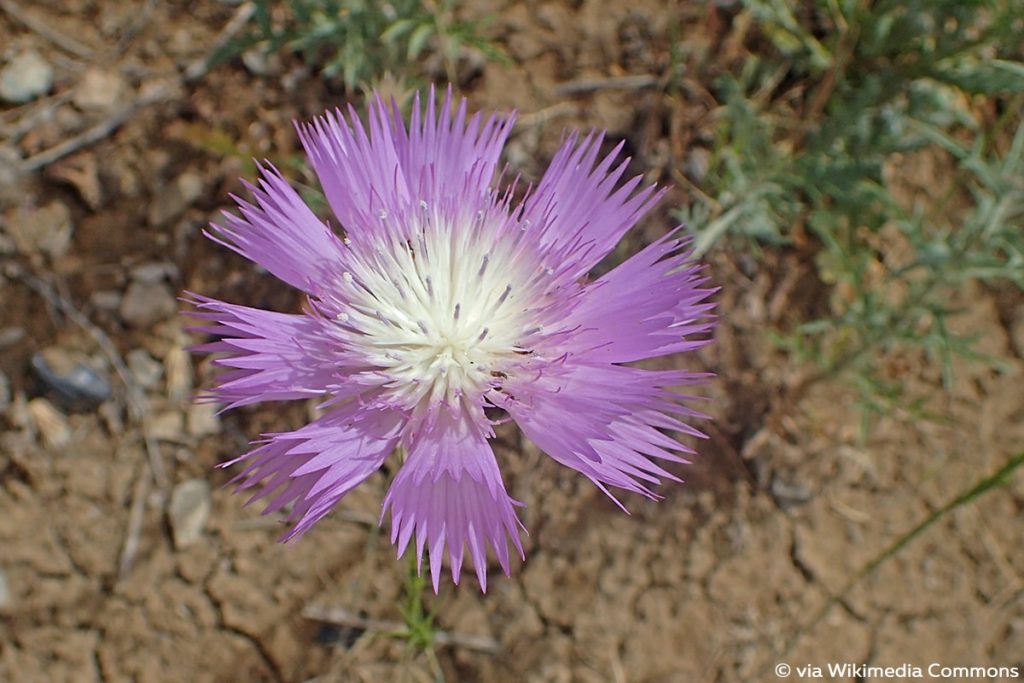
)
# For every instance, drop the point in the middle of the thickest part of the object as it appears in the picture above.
(483, 267)
(458, 307)
(504, 295)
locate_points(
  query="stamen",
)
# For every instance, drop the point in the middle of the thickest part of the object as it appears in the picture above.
(483, 266)
(504, 295)
(458, 307)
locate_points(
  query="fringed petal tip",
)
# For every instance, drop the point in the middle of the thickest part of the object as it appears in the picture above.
(458, 503)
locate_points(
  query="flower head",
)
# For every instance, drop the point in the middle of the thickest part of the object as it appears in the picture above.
(445, 297)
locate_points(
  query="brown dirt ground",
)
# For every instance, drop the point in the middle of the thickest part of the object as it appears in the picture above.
(717, 582)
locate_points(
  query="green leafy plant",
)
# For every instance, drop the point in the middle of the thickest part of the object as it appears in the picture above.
(359, 41)
(833, 99)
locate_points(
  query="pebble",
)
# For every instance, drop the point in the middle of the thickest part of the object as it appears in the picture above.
(146, 369)
(99, 90)
(175, 199)
(697, 164)
(5, 392)
(203, 420)
(259, 62)
(25, 78)
(82, 172)
(789, 494)
(106, 300)
(9, 336)
(178, 370)
(69, 381)
(10, 160)
(146, 303)
(167, 426)
(188, 511)
(51, 424)
(155, 271)
(46, 229)
(5, 592)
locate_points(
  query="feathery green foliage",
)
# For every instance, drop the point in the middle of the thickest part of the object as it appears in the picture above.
(821, 119)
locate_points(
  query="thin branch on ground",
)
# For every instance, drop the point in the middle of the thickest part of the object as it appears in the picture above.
(136, 516)
(343, 617)
(157, 94)
(584, 85)
(198, 68)
(163, 92)
(40, 26)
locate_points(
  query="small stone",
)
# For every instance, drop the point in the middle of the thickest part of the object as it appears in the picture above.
(146, 369)
(25, 78)
(81, 172)
(10, 162)
(146, 303)
(110, 414)
(5, 592)
(106, 300)
(697, 164)
(99, 90)
(188, 511)
(5, 392)
(155, 272)
(9, 336)
(46, 229)
(260, 62)
(69, 380)
(178, 370)
(789, 494)
(203, 420)
(51, 424)
(175, 199)
(168, 426)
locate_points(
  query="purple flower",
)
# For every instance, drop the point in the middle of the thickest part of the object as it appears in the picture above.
(444, 298)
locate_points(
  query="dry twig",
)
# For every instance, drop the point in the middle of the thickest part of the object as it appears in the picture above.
(343, 617)
(33, 23)
(161, 92)
(582, 85)
(198, 68)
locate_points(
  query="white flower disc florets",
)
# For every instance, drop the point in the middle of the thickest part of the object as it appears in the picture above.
(443, 313)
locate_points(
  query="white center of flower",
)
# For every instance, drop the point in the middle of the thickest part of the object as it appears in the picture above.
(442, 314)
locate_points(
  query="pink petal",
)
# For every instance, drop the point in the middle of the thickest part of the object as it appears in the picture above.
(449, 493)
